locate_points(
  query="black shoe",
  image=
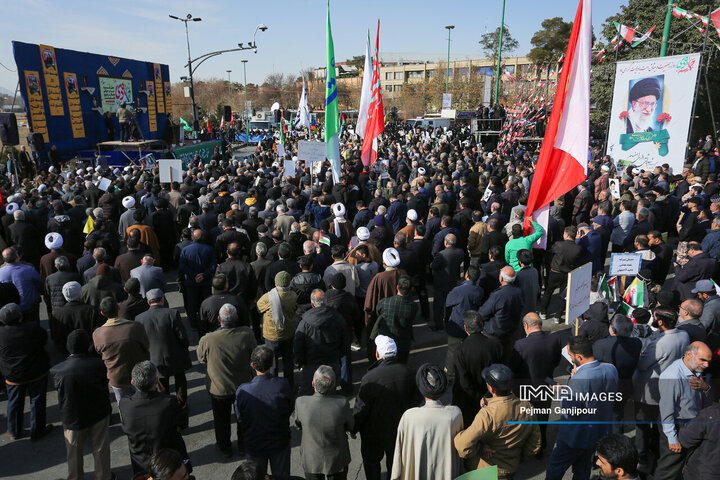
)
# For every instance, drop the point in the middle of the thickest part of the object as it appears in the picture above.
(38, 435)
(225, 452)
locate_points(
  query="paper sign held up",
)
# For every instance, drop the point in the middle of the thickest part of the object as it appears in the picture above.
(289, 167)
(577, 300)
(170, 170)
(311, 151)
(625, 264)
(104, 184)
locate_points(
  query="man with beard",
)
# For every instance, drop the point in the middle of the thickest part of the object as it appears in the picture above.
(683, 391)
(617, 457)
(643, 98)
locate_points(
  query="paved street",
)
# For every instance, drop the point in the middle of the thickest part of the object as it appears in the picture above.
(24, 460)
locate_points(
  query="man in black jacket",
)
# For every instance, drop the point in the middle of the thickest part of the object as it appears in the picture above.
(534, 359)
(82, 387)
(240, 275)
(386, 391)
(73, 315)
(623, 351)
(566, 256)
(210, 307)
(321, 338)
(150, 419)
(476, 352)
(25, 364)
(446, 268)
(168, 343)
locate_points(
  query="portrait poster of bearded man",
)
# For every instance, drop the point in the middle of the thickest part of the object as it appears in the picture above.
(644, 104)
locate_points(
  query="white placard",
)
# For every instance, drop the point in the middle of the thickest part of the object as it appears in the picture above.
(615, 187)
(289, 167)
(625, 264)
(170, 170)
(577, 300)
(652, 130)
(311, 151)
(446, 101)
(281, 150)
(104, 184)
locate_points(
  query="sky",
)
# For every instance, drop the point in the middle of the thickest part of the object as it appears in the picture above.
(295, 38)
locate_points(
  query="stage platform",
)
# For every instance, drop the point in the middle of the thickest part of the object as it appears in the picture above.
(141, 145)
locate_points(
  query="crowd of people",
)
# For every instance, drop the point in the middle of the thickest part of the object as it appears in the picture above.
(287, 281)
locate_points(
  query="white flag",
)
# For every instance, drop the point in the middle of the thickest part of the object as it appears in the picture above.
(365, 94)
(303, 113)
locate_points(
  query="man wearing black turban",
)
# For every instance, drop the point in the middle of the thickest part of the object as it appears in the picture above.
(643, 97)
(425, 434)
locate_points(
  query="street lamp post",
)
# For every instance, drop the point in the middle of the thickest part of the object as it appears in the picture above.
(245, 116)
(447, 72)
(229, 93)
(190, 18)
(497, 72)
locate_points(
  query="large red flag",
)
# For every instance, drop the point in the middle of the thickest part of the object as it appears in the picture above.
(376, 118)
(562, 163)
(715, 17)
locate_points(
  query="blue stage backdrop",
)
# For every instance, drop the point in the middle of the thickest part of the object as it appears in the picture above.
(68, 93)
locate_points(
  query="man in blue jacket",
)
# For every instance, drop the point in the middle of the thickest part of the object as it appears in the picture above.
(593, 391)
(263, 407)
(197, 265)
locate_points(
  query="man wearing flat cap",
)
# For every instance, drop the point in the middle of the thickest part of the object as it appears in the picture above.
(425, 434)
(490, 439)
(643, 97)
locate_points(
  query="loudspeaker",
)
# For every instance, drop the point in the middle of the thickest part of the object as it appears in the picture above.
(227, 113)
(8, 129)
(36, 142)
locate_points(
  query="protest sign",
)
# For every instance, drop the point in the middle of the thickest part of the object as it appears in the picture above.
(311, 151)
(577, 300)
(625, 264)
(170, 170)
(104, 184)
(289, 167)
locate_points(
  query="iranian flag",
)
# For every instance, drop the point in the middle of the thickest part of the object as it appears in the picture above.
(508, 76)
(562, 163)
(715, 17)
(679, 12)
(365, 92)
(607, 287)
(628, 33)
(222, 121)
(376, 116)
(207, 120)
(636, 293)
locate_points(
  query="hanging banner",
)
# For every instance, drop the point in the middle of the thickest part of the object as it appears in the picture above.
(52, 80)
(151, 112)
(651, 109)
(38, 121)
(159, 97)
(72, 93)
(114, 91)
(168, 98)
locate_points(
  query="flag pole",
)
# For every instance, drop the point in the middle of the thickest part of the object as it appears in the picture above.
(666, 29)
(497, 72)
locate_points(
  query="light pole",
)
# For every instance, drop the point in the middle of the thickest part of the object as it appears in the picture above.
(447, 72)
(190, 18)
(246, 116)
(497, 72)
(229, 93)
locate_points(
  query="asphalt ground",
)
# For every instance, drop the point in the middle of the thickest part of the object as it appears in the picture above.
(45, 459)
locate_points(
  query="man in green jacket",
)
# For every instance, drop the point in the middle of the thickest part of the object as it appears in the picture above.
(520, 243)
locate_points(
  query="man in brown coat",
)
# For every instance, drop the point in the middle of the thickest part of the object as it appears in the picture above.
(383, 285)
(122, 344)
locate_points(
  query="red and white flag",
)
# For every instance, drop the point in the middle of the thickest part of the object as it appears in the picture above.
(376, 117)
(562, 163)
(509, 77)
(715, 17)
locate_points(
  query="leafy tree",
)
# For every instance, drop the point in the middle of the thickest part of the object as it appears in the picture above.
(357, 61)
(683, 39)
(550, 42)
(491, 41)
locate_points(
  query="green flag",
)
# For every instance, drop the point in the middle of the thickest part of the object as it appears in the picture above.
(332, 114)
(185, 125)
